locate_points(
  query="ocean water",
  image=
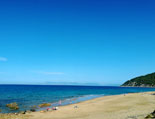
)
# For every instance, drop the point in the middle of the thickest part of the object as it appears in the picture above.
(27, 96)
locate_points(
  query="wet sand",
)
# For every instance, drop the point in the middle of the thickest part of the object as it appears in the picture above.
(129, 106)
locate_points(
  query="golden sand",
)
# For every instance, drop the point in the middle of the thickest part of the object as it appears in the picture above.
(129, 106)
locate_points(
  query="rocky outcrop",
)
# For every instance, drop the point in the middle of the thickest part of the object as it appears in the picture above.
(13, 106)
(45, 105)
(151, 116)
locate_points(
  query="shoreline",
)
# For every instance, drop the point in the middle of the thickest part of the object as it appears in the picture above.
(114, 107)
(28, 102)
(138, 86)
(65, 102)
(122, 106)
(71, 101)
(91, 109)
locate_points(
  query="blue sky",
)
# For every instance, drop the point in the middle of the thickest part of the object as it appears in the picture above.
(85, 41)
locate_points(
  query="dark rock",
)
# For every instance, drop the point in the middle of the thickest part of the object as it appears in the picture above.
(151, 116)
(153, 112)
(23, 112)
(32, 110)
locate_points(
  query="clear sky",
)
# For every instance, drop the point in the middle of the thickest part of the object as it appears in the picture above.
(103, 42)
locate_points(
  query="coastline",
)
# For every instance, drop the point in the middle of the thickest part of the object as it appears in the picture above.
(128, 106)
(124, 106)
(139, 86)
(64, 94)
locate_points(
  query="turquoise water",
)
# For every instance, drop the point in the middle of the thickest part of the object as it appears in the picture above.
(28, 95)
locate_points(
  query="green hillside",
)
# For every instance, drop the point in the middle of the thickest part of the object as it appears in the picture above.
(142, 81)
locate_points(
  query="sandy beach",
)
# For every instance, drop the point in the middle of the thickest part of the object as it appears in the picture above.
(128, 106)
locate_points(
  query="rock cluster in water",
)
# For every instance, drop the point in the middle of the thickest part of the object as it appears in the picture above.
(13, 106)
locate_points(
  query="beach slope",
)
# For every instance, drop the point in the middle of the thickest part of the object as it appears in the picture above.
(128, 106)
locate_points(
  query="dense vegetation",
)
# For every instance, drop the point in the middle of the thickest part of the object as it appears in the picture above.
(142, 81)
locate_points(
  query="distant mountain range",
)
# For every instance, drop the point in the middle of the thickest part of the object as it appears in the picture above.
(141, 81)
(71, 83)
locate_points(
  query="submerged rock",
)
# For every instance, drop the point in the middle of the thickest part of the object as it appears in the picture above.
(45, 105)
(34, 107)
(13, 106)
(32, 110)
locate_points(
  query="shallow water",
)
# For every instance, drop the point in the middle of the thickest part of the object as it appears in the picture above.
(28, 95)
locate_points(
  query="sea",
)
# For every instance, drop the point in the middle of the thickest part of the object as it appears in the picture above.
(30, 96)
